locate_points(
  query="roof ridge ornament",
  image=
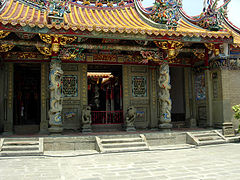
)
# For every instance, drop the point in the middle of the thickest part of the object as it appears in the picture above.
(212, 16)
(55, 8)
(166, 12)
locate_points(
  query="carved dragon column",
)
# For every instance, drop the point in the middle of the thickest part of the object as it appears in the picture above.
(52, 49)
(55, 79)
(164, 96)
(171, 50)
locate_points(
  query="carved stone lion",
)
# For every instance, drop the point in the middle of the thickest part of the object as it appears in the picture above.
(86, 119)
(130, 118)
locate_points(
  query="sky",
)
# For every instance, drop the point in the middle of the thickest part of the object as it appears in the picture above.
(195, 7)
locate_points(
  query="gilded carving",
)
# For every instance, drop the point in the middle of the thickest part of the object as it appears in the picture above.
(4, 34)
(67, 40)
(213, 47)
(6, 47)
(172, 48)
(44, 50)
(49, 39)
(46, 38)
(200, 55)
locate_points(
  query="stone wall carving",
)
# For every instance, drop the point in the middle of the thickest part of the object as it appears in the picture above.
(70, 86)
(200, 87)
(139, 86)
(130, 118)
(86, 119)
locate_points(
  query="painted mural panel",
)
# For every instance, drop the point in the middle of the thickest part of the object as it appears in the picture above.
(200, 87)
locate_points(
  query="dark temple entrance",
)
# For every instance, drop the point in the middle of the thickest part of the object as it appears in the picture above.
(27, 83)
(105, 94)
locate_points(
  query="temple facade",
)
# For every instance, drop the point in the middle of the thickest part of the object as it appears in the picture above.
(90, 66)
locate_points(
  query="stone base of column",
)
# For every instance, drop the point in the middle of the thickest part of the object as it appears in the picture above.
(55, 130)
(8, 129)
(130, 129)
(86, 128)
(7, 133)
(43, 127)
(165, 127)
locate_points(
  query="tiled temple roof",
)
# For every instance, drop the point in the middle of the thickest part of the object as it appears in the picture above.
(124, 19)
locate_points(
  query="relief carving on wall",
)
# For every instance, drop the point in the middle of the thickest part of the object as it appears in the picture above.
(200, 87)
(139, 86)
(70, 86)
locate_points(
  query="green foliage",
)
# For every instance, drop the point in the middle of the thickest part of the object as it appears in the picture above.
(236, 110)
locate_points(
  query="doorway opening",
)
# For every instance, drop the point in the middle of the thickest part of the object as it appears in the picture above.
(105, 94)
(27, 101)
(177, 97)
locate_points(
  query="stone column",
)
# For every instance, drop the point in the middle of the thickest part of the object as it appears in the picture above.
(164, 96)
(55, 78)
(44, 121)
(8, 123)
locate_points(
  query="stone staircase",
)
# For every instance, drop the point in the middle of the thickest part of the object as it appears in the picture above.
(202, 138)
(21, 146)
(121, 144)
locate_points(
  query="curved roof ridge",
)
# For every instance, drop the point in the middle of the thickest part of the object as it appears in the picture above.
(103, 7)
(124, 20)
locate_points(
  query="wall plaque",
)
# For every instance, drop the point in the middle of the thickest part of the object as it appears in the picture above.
(139, 86)
(70, 86)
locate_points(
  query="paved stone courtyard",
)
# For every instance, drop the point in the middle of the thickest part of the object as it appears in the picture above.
(209, 162)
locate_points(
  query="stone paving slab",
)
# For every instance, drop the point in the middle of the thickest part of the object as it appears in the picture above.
(204, 163)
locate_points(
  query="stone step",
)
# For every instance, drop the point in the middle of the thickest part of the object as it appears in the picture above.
(220, 141)
(126, 149)
(209, 138)
(20, 148)
(120, 140)
(15, 143)
(123, 145)
(20, 139)
(21, 153)
(205, 134)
